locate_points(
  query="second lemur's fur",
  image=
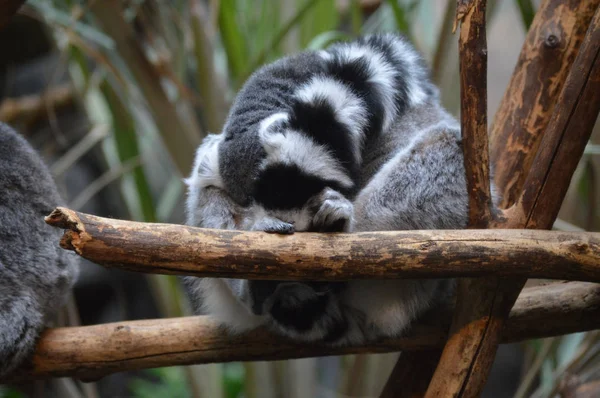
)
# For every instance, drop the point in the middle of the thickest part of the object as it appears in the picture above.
(36, 275)
(352, 138)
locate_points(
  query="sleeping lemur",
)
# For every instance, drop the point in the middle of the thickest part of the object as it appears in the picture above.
(351, 138)
(35, 273)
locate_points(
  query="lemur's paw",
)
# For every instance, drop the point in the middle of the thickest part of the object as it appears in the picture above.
(335, 212)
(274, 226)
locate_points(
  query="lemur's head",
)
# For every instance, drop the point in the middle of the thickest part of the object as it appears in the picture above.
(281, 182)
(280, 179)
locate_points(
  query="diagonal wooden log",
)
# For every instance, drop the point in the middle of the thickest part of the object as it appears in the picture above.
(469, 353)
(183, 250)
(550, 48)
(91, 352)
(411, 374)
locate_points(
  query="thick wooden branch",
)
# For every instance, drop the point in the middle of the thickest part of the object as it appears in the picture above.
(178, 249)
(481, 312)
(473, 98)
(91, 352)
(455, 372)
(550, 48)
(565, 139)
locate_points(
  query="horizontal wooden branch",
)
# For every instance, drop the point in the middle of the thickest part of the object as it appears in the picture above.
(91, 352)
(178, 249)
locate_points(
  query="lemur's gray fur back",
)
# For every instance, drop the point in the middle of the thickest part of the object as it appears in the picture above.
(352, 138)
(35, 273)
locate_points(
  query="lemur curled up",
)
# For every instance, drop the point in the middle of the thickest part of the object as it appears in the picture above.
(351, 138)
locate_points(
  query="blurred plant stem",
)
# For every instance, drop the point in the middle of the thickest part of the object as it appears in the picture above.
(210, 83)
(180, 138)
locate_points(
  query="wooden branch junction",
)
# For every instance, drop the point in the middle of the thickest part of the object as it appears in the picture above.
(91, 352)
(483, 305)
(177, 249)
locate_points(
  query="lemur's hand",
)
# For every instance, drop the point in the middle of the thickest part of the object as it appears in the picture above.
(273, 225)
(334, 212)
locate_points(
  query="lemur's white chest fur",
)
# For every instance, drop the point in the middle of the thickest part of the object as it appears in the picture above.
(351, 138)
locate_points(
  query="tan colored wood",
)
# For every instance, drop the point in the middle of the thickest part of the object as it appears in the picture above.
(177, 249)
(91, 352)
(483, 305)
(550, 48)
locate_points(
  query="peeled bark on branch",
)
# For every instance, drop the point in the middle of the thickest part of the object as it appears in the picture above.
(550, 48)
(565, 139)
(484, 305)
(91, 352)
(178, 249)
(473, 98)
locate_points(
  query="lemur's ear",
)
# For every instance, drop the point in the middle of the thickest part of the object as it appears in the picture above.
(271, 137)
(208, 204)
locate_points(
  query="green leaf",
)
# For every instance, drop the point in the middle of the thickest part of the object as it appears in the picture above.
(128, 148)
(161, 382)
(55, 16)
(276, 39)
(233, 40)
(322, 16)
(356, 17)
(326, 38)
(233, 379)
(402, 14)
(527, 11)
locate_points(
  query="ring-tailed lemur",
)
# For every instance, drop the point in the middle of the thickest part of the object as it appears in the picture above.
(35, 273)
(352, 138)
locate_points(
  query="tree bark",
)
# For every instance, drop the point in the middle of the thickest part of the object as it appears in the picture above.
(473, 98)
(483, 306)
(91, 352)
(550, 48)
(411, 374)
(178, 249)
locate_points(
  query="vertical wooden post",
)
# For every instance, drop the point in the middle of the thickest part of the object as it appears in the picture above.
(550, 48)
(483, 305)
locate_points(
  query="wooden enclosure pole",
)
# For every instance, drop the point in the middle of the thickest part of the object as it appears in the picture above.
(178, 249)
(91, 352)
(548, 52)
(464, 372)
